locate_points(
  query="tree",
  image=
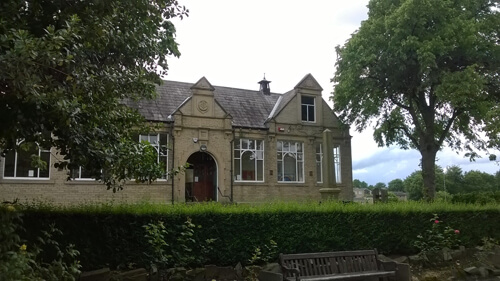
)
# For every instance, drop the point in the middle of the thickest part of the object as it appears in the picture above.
(427, 72)
(67, 67)
(380, 185)
(359, 184)
(454, 180)
(396, 185)
(475, 181)
(497, 180)
(414, 186)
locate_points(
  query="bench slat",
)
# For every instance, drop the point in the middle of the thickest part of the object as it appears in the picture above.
(349, 276)
(303, 267)
(345, 265)
(333, 265)
(330, 254)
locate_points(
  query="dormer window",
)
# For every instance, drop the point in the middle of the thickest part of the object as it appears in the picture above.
(308, 109)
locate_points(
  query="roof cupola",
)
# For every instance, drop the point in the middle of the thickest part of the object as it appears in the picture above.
(264, 86)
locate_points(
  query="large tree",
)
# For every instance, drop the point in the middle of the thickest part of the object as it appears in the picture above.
(423, 73)
(66, 68)
(396, 185)
(454, 180)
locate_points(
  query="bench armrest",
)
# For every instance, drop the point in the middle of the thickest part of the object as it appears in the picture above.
(402, 270)
(295, 271)
(388, 265)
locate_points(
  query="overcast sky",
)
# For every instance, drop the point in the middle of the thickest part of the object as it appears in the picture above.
(233, 43)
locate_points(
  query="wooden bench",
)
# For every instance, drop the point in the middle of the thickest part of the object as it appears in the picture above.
(347, 265)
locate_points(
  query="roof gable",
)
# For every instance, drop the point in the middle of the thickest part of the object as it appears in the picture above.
(203, 84)
(308, 82)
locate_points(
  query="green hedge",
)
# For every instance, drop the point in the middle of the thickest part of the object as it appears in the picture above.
(113, 235)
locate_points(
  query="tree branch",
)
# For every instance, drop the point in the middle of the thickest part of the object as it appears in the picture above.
(409, 135)
(394, 101)
(454, 116)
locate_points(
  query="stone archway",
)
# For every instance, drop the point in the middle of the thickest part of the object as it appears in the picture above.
(201, 178)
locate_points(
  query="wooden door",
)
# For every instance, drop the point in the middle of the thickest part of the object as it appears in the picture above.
(203, 186)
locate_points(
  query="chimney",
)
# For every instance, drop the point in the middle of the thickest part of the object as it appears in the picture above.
(264, 86)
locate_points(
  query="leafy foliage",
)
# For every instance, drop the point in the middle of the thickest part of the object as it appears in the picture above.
(263, 254)
(424, 74)
(396, 185)
(482, 198)
(437, 237)
(25, 261)
(239, 229)
(359, 184)
(68, 67)
(184, 251)
(453, 182)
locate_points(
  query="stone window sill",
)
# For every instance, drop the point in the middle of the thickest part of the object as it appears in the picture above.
(26, 181)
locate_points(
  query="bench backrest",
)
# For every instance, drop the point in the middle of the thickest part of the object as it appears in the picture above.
(314, 264)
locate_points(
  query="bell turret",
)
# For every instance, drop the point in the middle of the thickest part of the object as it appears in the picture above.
(264, 86)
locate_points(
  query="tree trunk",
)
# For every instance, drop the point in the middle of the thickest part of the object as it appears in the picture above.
(428, 171)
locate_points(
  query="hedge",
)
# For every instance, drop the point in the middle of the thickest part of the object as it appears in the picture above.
(113, 235)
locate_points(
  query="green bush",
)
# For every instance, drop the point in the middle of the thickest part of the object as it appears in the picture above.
(437, 237)
(487, 197)
(21, 260)
(114, 236)
(183, 251)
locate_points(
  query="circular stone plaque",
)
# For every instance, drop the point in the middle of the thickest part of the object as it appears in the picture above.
(203, 106)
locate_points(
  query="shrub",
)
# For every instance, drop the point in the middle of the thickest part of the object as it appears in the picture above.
(114, 236)
(437, 237)
(20, 260)
(483, 198)
(184, 251)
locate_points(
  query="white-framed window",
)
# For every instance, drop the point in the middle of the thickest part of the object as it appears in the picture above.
(319, 163)
(308, 109)
(160, 144)
(248, 160)
(81, 173)
(158, 141)
(336, 164)
(290, 160)
(18, 163)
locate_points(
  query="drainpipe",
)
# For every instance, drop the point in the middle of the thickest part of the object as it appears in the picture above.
(170, 120)
(173, 159)
(232, 163)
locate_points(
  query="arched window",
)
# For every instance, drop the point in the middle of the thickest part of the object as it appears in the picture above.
(19, 163)
(248, 160)
(290, 160)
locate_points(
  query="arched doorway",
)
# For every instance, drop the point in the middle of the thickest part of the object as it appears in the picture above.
(201, 178)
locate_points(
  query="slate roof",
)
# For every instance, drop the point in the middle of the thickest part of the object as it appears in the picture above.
(286, 98)
(249, 109)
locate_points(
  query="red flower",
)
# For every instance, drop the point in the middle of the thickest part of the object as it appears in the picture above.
(436, 221)
(457, 231)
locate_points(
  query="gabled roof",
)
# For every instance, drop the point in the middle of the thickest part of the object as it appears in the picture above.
(203, 84)
(286, 98)
(248, 108)
(308, 82)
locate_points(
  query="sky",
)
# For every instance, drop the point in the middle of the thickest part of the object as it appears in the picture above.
(234, 43)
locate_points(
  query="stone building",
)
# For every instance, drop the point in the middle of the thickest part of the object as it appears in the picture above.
(242, 146)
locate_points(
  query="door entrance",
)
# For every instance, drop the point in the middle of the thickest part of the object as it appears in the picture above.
(201, 178)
